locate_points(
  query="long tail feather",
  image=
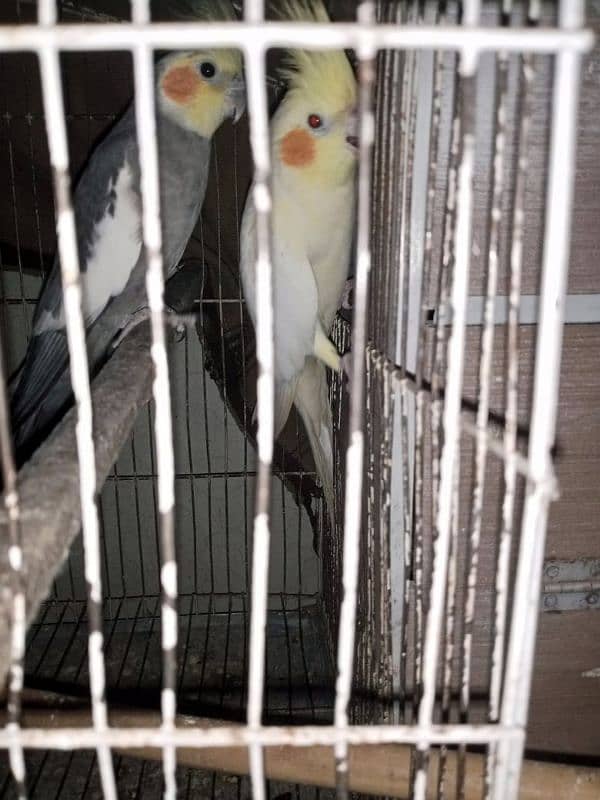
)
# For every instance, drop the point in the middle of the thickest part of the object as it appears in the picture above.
(312, 402)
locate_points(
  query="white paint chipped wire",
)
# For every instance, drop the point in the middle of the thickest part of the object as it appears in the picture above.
(355, 452)
(267, 736)
(69, 262)
(18, 616)
(510, 433)
(485, 367)
(451, 413)
(280, 34)
(419, 454)
(495, 445)
(555, 262)
(259, 139)
(161, 391)
(120, 37)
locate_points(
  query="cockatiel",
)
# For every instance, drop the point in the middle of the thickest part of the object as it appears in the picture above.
(195, 93)
(314, 156)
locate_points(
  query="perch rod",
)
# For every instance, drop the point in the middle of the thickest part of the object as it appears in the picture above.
(374, 769)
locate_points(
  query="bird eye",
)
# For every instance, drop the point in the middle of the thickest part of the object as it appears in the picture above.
(207, 69)
(314, 121)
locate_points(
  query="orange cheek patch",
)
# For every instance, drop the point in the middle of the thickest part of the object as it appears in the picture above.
(181, 84)
(297, 148)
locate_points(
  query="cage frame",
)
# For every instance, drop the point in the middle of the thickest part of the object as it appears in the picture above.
(254, 38)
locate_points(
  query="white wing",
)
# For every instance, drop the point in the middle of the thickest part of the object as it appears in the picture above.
(116, 248)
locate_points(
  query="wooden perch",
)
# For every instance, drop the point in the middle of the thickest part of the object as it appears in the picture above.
(374, 769)
(49, 482)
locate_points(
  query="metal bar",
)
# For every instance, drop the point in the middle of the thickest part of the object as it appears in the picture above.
(494, 443)
(485, 367)
(390, 104)
(515, 699)
(579, 309)
(163, 424)
(437, 356)
(259, 139)
(402, 184)
(571, 586)
(126, 36)
(267, 736)
(75, 330)
(419, 459)
(451, 412)
(355, 451)
(19, 613)
(510, 433)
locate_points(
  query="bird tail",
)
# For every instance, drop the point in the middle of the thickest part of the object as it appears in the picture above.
(312, 401)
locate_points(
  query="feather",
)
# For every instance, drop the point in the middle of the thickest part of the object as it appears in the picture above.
(313, 189)
(326, 74)
(203, 10)
(312, 401)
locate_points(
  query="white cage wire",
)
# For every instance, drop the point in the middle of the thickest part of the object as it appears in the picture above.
(504, 734)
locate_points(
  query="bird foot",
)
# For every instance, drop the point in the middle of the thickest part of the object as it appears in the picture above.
(180, 322)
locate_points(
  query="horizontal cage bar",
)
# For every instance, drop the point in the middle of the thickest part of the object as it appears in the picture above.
(261, 37)
(302, 736)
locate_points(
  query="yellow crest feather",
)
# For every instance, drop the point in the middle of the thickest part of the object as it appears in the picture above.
(324, 75)
(204, 10)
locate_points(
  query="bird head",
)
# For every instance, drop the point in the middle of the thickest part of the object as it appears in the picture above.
(315, 129)
(200, 89)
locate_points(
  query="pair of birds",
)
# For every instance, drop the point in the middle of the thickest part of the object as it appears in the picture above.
(313, 150)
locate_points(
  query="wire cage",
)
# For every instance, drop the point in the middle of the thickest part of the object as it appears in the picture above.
(391, 655)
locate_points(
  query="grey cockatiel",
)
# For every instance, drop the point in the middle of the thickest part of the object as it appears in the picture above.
(195, 93)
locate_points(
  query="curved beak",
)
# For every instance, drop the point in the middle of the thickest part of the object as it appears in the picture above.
(352, 129)
(236, 96)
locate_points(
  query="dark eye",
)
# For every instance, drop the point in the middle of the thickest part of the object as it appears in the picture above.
(314, 121)
(207, 69)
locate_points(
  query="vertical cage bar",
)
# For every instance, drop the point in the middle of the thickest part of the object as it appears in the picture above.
(448, 660)
(355, 452)
(510, 431)
(485, 366)
(163, 425)
(425, 299)
(451, 411)
(54, 113)
(261, 195)
(19, 617)
(515, 700)
(399, 521)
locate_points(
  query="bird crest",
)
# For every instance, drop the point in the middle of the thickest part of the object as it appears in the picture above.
(203, 10)
(325, 75)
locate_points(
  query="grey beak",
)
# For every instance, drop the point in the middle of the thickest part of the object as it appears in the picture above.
(237, 97)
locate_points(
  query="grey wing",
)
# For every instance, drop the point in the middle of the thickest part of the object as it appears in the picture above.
(47, 356)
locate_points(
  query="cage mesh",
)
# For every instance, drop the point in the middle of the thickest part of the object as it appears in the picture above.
(422, 108)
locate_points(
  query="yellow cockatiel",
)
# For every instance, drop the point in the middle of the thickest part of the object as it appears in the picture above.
(314, 158)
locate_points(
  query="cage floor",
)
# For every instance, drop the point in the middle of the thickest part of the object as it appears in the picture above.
(213, 636)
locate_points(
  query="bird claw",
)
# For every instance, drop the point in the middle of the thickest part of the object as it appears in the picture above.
(179, 332)
(178, 322)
